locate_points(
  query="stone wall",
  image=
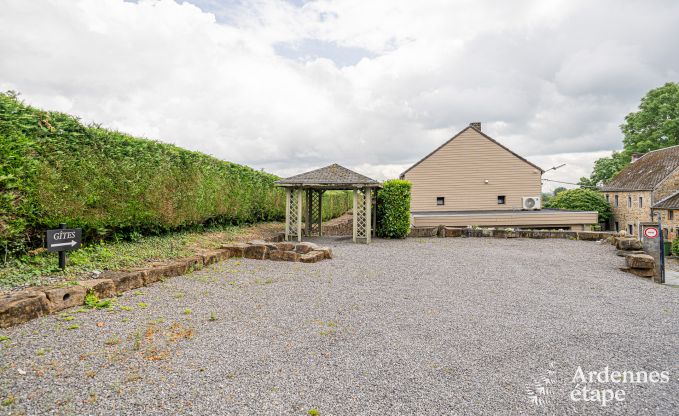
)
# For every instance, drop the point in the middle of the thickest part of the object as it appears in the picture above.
(667, 187)
(443, 231)
(625, 215)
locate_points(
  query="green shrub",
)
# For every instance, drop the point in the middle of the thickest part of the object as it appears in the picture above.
(54, 169)
(393, 209)
(582, 200)
(675, 246)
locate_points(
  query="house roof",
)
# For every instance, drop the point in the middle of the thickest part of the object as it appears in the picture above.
(330, 177)
(482, 134)
(647, 172)
(671, 202)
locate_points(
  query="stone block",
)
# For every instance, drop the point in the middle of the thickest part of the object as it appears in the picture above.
(103, 288)
(327, 252)
(285, 246)
(627, 243)
(60, 298)
(642, 272)
(312, 257)
(423, 231)
(235, 249)
(125, 280)
(640, 261)
(303, 248)
(279, 255)
(19, 307)
(214, 256)
(623, 253)
(452, 232)
(255, 251)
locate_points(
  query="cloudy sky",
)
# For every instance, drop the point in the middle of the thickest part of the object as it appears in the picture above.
(374, 85)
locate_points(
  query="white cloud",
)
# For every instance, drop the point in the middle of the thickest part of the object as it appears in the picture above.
(252, 83)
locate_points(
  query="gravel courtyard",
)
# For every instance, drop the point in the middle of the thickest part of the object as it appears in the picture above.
(421, 326)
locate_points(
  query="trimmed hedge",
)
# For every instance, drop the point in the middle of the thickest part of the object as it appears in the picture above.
(393, 209)
(582, 199)
(55, 169)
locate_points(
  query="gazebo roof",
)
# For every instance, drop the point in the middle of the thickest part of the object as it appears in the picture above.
(329, 177)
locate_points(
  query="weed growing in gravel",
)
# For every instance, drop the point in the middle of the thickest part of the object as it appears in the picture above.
(136, 345)
(125, 308)
(9, 400)
(114, 340)
(187, 311)
(313, 412)
(4, 338)
(40, 352)
(137, 293)
(179, 295)
(92, 301)
(142, 305)
(213, 316)
(74, 326)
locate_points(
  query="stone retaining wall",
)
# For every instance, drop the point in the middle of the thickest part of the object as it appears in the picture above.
(33, 302)
(444, 231)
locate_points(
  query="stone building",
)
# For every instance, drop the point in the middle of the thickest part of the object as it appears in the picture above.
(649, 184)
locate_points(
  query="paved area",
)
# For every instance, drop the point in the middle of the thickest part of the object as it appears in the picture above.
(421, 326)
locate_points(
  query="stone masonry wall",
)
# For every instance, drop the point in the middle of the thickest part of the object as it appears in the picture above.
(667, 187)
(625, 215)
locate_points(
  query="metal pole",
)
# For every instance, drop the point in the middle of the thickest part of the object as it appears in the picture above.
(662, 249)
(62, 254)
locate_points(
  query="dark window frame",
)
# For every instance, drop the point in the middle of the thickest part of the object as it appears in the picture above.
(502, 200)
(440, 200)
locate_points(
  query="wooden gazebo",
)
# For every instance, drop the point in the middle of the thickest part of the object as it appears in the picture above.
(307, 189)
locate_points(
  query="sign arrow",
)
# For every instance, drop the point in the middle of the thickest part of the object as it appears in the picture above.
(71, 243)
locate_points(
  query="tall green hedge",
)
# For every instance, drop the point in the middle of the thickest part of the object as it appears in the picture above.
(393, 209)
(55, 169)
(582, 199)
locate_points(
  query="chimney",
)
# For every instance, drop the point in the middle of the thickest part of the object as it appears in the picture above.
(636, 156)
(476, 125)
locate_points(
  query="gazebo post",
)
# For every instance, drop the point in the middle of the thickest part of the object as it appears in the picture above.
(320, 213)
(355, 214)
(299, 214)
(368, 215)
(287, 214)
(309, 217)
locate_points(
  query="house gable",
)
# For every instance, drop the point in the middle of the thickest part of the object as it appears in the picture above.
(472, 171)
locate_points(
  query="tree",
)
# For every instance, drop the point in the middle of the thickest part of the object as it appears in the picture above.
(605, 169)
(582, 200)
(558, 190)
(654, 126)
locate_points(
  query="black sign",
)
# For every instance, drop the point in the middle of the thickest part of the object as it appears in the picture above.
(64, 240)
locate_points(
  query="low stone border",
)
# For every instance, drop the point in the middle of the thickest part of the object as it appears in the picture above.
(34, 302)
(284, 251)
(444, 231)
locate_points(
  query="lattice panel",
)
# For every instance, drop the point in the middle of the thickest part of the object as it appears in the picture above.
(293, 215)
(316, 212)
(361, 216)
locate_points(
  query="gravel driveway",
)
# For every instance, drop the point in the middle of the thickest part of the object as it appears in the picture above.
(421, 326)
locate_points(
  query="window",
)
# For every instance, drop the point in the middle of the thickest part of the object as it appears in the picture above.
(501, 200)
(670, 215)
(616, 205)
(641, 202)
(630, 228)
(608, 198)
(665, 233)
(617, 226)
(440, 200)
(629, 202)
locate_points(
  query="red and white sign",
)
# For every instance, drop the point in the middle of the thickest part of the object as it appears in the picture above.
(651, 232)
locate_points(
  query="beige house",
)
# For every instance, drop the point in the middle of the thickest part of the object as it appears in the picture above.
(472, 180)
(649, 184)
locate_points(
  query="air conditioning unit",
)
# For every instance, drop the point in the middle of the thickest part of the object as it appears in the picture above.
(530, 202)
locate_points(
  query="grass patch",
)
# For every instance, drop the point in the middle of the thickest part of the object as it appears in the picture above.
(39, 267)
